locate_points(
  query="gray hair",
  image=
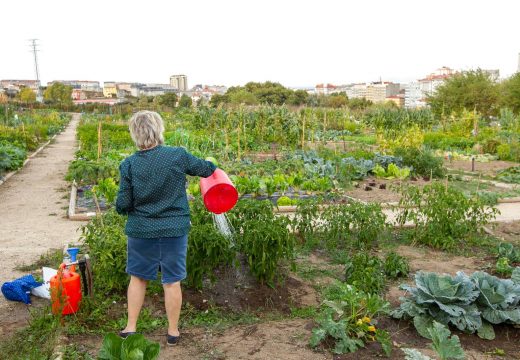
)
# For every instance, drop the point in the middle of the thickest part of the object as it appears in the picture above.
(146, 129)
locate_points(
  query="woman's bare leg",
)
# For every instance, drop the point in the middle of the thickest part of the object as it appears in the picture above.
(173, 303)
(136, 293)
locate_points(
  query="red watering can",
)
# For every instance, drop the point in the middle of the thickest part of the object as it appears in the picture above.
(218, 192)
(65, 291)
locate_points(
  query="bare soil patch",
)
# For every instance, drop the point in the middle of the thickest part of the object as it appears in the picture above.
(486, 168)
(381, 190)
(508, 231)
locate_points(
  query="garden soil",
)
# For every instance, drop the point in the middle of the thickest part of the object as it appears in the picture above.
(486, 168)
(33, 204)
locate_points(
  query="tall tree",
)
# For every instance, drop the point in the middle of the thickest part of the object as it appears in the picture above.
(58, 93)
(470, 90)
(510, 93)
(168, 99)
(185, 101)
(27, 95)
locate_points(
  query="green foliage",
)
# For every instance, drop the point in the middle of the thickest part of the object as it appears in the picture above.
(134, 347)
(445, 346)
(27, 95)
(365, 272)
(185, 101)
(393, 172)
(502, 266)
(471, 304)
(470, 90)
(443, 217)
(362, 224)
(91, 171)
(498, 300)
(208, 249)
(396, 266)
(509, 251)
(106, 188)
(446, 299)
(510, 90)
(168, 99)
(422, 162)
(58, 93)
(510, 175)
(106, 241)
(346, 318)
(11, 157)
(266, 244)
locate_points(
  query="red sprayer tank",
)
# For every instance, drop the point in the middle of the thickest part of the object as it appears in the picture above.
(65, 291)
(218, 192)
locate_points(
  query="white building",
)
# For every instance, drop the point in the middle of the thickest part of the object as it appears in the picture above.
(85, 85)
(180, 82)
(413, 96)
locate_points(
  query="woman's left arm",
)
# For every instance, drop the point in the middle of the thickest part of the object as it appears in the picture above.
(124, 202)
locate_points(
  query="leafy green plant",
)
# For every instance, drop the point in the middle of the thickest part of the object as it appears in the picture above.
(266, 244)
(423, 162)
(443, 216)
(133, 347)
(509, 251)
(106, 188)
(207, 250)
(346, 317)
(392, 172)
(11, 156)
(471, 304)
(354, 224)
(106, 241)
(502, 266)
(396, 266)
(448, 348)
(446, 299)
(285, 201)
(365, 272)
(499, 299)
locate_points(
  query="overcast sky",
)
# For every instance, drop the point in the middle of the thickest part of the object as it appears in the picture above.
(294, 42)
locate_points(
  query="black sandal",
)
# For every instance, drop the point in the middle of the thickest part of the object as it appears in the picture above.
(124, 335)
(172, 340)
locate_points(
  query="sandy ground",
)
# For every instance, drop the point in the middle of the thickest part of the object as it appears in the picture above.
(33, 209)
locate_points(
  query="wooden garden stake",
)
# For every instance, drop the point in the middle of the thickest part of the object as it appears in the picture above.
(431, 174)
(478, 184)
(99, 141)
(238, 143)
(446, 183)
(98, 209)
(303, 132)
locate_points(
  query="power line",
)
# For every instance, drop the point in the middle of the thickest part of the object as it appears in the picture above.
(35, 50)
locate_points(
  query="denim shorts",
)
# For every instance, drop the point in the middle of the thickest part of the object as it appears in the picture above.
(147, 256)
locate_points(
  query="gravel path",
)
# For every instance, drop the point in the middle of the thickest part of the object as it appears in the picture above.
(33, 219)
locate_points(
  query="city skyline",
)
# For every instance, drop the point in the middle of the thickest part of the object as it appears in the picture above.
(230, 43)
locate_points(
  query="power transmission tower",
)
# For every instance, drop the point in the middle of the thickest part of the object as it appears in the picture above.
(35, 50)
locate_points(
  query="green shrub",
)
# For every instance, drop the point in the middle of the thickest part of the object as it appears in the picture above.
(106, 241)
(11, 157)
(443, 217)
(355, 224)
(346, 318)
(91, 171)
(423, 162)
(266, 243)
(208, 249)
(366, 273)
(504, 152)
(396, 266)
(490, 146)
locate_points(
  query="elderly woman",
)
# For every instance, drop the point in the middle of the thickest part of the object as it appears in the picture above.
(152, 191)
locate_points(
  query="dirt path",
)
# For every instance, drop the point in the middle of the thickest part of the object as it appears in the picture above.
(33, 209)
